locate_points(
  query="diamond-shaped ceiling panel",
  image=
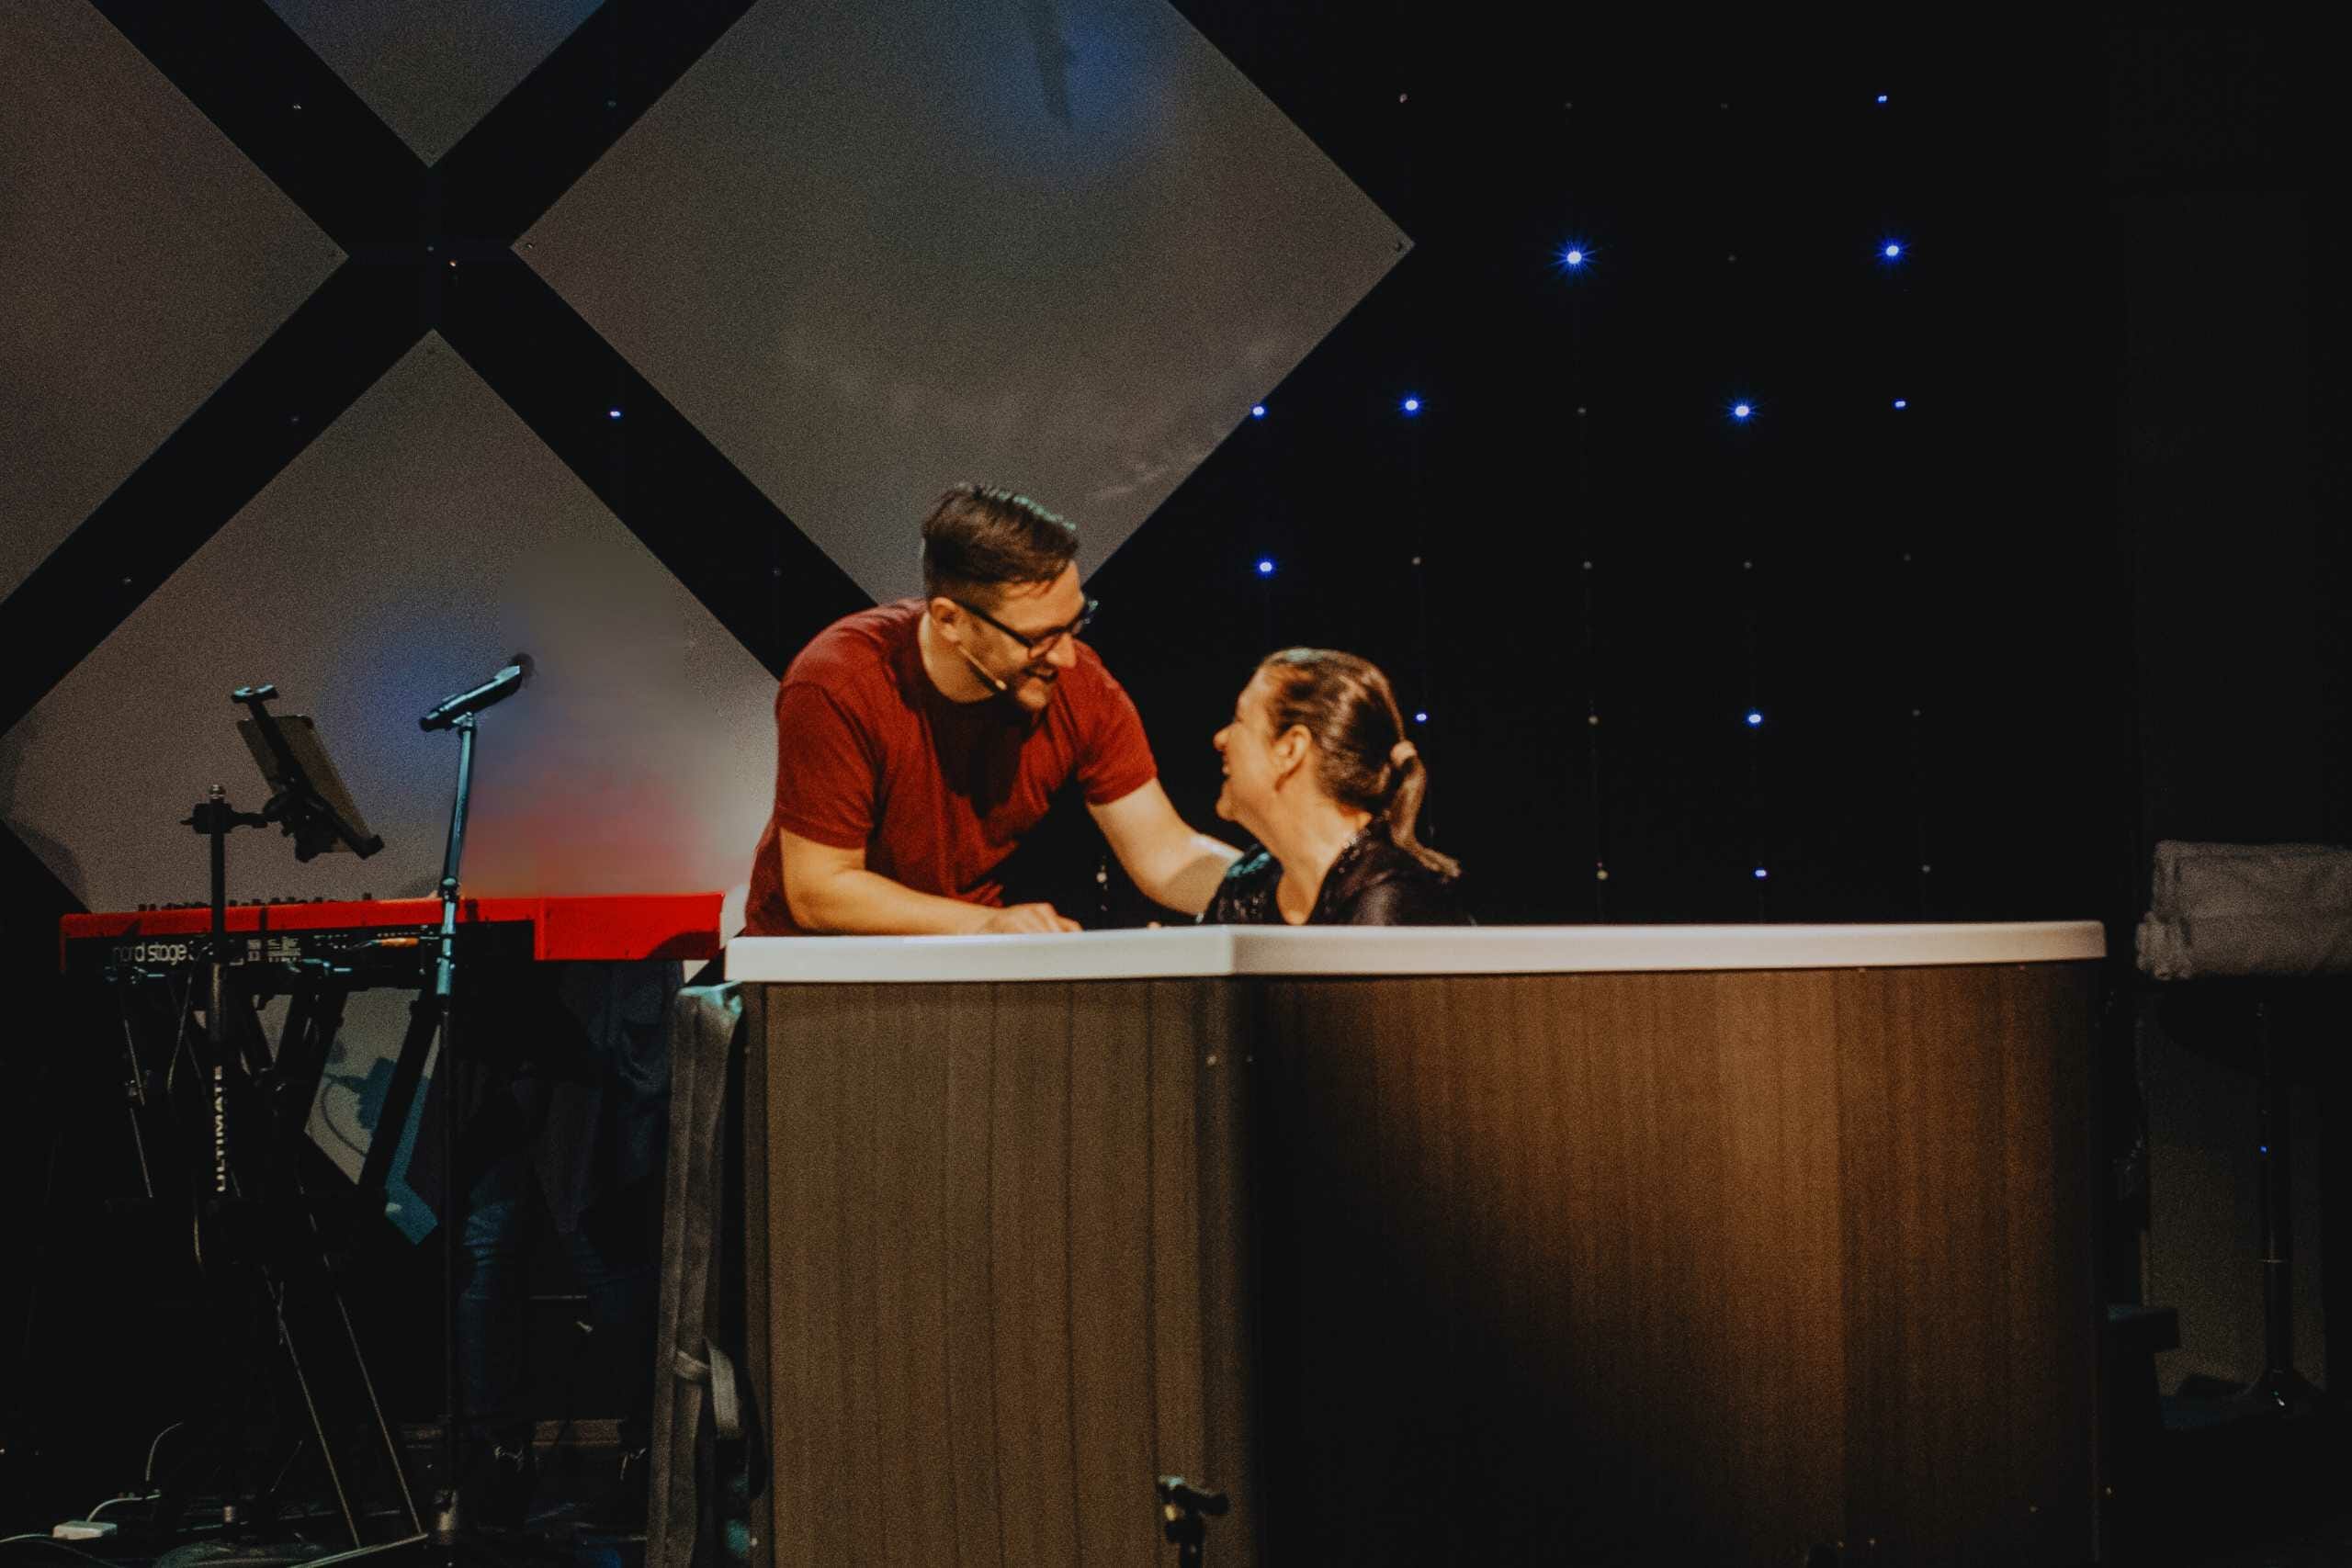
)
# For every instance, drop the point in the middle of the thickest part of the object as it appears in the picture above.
(872, 247)
(145, 256)
(424, 537)
(432, 68)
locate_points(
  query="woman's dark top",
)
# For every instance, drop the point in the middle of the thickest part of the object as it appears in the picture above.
(1372, 883)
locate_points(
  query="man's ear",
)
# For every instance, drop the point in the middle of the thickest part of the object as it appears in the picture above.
(944, 614)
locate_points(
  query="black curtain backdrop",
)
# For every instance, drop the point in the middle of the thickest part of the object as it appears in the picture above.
(1589, 574)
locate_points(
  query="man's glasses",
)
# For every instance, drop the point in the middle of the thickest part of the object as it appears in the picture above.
(1035, 645)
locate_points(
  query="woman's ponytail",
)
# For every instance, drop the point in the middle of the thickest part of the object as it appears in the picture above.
(1346, 705)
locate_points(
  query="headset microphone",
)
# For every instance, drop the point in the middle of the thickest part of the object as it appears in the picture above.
(982, 671)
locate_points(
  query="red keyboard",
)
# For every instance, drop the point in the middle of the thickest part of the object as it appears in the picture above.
(625, 926)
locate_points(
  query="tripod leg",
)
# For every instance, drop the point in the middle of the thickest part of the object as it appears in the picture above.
(375, 1411)
(135, 1102)
(286, 1338)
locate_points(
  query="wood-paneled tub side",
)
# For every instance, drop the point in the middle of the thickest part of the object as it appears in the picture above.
(1005, 1270)
(1523, 1245)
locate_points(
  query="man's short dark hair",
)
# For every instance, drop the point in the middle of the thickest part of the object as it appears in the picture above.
(981, 540)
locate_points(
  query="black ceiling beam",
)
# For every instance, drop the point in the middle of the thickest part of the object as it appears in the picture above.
(506, 172)
(302, 125)
(719, 532)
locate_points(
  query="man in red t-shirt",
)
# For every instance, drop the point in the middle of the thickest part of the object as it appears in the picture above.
(916, 742)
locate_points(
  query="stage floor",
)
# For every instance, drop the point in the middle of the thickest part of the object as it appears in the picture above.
(568, 1522)
(2243, 1495)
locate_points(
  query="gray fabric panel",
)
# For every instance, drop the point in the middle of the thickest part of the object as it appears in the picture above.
(432, 68)
(872, 247)
(426, 536)
(706, 1030)
(2249, 909)
(146, 259)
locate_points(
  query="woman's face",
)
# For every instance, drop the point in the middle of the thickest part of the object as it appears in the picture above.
(1250, 769)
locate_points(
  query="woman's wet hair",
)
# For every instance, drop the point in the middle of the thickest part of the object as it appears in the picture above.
(1345, 703)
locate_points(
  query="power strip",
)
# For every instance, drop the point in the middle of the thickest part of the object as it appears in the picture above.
(82, 1529)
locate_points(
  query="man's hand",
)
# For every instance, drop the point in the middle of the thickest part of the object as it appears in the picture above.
(1029, 918)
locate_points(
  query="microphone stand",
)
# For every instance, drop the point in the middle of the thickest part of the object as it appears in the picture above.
(449, 1537)
(439, 1003)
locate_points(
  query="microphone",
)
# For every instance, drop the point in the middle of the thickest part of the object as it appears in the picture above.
(497, 689)
(982, 671)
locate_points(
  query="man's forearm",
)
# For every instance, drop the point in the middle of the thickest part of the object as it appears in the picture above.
(1190, 881)
(867, 903)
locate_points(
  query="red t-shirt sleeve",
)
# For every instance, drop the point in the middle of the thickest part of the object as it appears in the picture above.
(1118, 761)
(826, 767)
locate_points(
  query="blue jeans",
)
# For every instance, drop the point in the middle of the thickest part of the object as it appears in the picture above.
(614, 1254)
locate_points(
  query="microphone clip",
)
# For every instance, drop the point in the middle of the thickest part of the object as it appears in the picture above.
(497, 689)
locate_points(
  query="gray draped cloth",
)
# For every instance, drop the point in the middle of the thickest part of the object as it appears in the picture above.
(2249, 909)
(697, 1516)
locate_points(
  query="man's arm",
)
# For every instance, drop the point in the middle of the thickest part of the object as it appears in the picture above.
(830, 890)
(1172, 865)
